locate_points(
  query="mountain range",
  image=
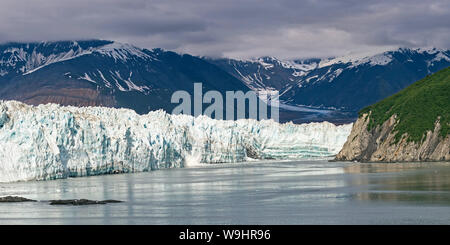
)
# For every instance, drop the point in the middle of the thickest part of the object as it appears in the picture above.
(104, 73)
(112, 74)
(347, 83)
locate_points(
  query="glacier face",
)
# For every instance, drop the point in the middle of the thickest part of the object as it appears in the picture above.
(50, 141)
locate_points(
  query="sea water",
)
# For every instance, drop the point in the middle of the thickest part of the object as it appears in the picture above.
(277, 192)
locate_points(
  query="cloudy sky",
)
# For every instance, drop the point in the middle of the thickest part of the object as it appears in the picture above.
(235, 28)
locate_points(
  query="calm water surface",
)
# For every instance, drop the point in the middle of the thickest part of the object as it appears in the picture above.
(304, 192)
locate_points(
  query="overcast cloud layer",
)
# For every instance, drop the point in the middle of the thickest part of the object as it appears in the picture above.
(234, 28)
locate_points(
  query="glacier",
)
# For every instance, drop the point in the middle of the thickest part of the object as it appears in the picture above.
(51, 142)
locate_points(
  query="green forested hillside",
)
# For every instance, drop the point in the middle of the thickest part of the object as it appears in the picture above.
(417, 107)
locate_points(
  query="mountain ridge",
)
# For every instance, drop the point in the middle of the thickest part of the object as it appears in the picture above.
(332, 82)
(108, 73)
(113, 74)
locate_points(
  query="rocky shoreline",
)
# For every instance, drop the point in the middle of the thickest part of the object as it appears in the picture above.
(379, 144)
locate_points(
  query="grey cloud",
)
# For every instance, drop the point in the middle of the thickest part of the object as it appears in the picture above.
(236, 28)
(143, 26)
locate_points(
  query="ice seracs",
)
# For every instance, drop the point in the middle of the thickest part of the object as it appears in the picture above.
(49, 141)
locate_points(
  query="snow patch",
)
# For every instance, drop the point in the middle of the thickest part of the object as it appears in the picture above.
(87, 78)
(123, 52)
(359, 59)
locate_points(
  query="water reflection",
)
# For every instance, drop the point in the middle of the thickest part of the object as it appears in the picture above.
(309, 192)
(401, 182)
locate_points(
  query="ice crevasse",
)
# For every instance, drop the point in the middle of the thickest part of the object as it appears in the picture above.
(51, 141)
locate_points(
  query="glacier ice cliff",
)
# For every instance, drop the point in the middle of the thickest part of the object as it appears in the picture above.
(51, 142)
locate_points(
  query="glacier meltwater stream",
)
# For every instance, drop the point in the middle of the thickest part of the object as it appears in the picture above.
(54, 142)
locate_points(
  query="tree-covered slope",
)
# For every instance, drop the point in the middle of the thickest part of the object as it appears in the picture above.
(417, 107)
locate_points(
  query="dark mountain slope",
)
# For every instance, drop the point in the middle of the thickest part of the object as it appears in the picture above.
(347, 83)
(106, 73)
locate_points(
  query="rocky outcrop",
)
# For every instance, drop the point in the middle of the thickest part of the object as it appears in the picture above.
(15, 199)
(79, 202)
(74, 202)
(379, 144)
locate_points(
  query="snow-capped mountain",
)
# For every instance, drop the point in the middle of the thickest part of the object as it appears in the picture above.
(349, 82)
(267, 73)
(107, 73)
(50, 141)
(104, 73)
(355, 82)
(24, 58)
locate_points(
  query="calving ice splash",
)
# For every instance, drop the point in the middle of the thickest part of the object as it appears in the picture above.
(50, 141)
